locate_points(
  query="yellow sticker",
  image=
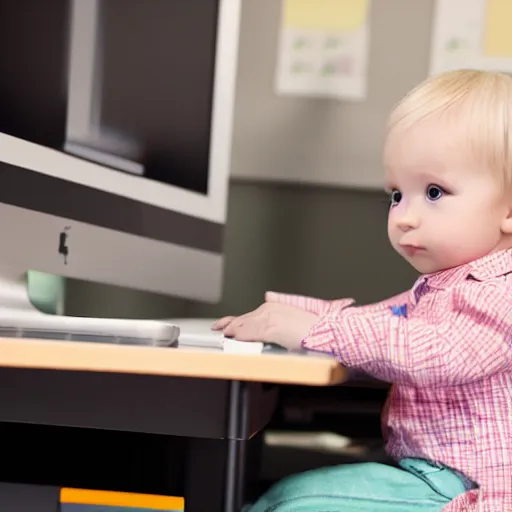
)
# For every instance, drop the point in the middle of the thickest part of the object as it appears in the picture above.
(339, 15)
(497, 33)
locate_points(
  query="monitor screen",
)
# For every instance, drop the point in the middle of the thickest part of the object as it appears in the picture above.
(110, 82)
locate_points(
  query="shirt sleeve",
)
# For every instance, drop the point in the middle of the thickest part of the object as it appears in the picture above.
(323, 307)
(311, 304)
(463, 335)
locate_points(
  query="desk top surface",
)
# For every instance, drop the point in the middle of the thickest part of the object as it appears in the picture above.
(279, 367)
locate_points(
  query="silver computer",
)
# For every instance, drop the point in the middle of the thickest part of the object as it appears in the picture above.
(115, 144)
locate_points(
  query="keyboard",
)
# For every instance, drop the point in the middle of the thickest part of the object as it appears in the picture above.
(197, 332)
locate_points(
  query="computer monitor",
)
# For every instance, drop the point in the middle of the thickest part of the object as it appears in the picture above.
(115, 142)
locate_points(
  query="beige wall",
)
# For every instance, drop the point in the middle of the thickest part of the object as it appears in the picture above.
(321, 140)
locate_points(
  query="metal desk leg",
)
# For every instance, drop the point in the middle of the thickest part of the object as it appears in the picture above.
(238, 431)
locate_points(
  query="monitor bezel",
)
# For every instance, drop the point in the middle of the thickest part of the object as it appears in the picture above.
(211, 206)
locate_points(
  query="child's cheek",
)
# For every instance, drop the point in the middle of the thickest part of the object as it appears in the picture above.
(402, 205)
(396, 209)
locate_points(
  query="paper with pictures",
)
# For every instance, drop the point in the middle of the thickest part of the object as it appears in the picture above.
(472, 34)
(323, 48)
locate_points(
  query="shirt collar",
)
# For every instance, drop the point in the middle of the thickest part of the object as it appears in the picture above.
(490, 266)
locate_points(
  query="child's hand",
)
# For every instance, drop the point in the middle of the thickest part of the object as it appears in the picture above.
(271, 322)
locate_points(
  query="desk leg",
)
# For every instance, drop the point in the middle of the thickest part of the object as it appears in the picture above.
(216, 468)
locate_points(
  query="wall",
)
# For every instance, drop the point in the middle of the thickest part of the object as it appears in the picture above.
(324, 141)
(323, 241)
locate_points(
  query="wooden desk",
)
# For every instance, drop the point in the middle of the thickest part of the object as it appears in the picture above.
(203, 407)
(276, 367)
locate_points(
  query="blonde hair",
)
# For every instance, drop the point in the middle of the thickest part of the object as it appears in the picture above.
(480, 102)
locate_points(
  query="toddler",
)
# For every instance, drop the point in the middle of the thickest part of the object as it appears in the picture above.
(445, 344)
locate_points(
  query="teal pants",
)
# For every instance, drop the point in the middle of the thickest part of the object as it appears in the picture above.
(416, 485)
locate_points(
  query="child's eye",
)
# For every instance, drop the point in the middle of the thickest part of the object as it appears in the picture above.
(434, 192)
(395, 197)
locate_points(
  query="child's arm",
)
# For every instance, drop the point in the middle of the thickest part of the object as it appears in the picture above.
(465, 336)
(323, 307)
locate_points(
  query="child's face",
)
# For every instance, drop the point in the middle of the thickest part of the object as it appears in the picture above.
(446, 209)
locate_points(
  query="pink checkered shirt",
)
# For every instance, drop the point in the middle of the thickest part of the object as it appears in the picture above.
(446, 345)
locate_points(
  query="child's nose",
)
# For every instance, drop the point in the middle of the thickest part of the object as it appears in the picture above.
(407, 220)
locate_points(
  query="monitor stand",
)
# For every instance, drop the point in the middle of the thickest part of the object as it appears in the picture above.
(20, 319)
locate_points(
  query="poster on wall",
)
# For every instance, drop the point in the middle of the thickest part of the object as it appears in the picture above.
(471, 34)
(323, 48)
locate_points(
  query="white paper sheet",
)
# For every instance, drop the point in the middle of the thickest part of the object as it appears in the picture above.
(323, 49)
(472, 34)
